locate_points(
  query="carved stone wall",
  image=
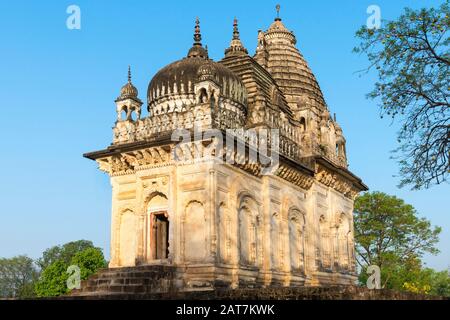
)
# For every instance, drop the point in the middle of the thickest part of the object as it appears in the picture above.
(225, 221)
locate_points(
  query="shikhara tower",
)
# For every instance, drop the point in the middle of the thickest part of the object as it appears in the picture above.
(222, 224)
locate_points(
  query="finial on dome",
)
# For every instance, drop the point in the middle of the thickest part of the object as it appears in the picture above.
(197, 34)
(278, 7)
(197, 50)
(128, 90)
(236, 46)
(235, 29)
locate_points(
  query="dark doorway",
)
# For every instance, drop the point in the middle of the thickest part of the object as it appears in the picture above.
(160, 236)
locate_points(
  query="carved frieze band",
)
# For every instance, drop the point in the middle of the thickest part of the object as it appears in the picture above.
(334, 181)
(295, 177)
(129, 162)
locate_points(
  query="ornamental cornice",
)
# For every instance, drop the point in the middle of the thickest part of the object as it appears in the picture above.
(336, 182)
(294, 176)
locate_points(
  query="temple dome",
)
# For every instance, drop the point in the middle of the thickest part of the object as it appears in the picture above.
(180, 77)
(128, 91)
(277, 25)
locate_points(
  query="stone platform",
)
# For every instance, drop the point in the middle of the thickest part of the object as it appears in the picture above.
(161, 283)
(132, 280)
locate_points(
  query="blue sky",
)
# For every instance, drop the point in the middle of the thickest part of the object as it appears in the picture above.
(58, 88)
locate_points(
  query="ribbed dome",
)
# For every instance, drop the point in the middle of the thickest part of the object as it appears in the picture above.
(180, 77)
(288, 67)
(197, 51)
(277, 25)
(128, 91)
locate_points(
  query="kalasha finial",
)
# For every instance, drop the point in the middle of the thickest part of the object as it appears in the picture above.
(236, 46)
(197, 35)
(278, 7)
(128, 90)
(235, 30)
(197, 50)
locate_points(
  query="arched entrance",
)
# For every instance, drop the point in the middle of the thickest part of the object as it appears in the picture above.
(159, 235)
(157, 228)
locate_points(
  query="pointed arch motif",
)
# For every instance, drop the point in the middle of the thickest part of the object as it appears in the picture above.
(324, 236)
(194, 232)
(156, 200)
(276, 240)
(226, 235)
(127, 238)
(297, 239)
(248, 221)
(344, 240)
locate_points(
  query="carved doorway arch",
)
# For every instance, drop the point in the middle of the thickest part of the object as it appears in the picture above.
(157, 227)
(159, 235)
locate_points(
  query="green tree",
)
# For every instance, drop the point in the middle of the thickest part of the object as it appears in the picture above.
(90, 261)
(389, 234)
(63, 252)
(53, 280)
(440, 283)
(413, 277)
(412, 58)
(409, 276)
(17, 277)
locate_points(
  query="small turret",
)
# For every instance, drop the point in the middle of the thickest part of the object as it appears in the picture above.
(128, 100)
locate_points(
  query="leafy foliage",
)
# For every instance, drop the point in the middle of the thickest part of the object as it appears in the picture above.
(412, 58)
(389, 234)
(17, 277)
(440, 283)
(64, 252)
(413, 277)
(20, 277)
(89, 260)
(53, 280)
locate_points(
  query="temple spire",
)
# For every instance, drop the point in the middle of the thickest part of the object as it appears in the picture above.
(197, 34)
(129, 74)
(236, 46)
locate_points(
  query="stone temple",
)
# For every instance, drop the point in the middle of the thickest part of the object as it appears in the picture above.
(197, 214)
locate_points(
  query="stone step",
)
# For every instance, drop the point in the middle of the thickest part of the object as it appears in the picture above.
(131, 288)
(133, 273)
(153, 275)
(132, 280)
(124, 281)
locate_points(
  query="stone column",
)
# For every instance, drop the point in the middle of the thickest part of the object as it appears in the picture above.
(141, 238)
(115, 221)
(173, 214)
